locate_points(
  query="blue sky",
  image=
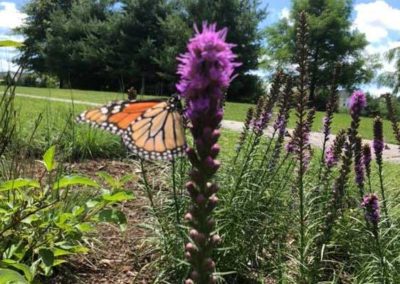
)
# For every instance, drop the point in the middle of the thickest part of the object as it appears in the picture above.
(378, 19)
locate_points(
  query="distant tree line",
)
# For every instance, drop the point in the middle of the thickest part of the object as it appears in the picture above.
(115, 45)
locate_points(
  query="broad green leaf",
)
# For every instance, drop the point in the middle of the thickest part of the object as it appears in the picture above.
(85, 227)
(113, 216)
(20, 266)
(48, 159)
(119, 196)
(19, 183)
(74, 180)
(8, 276)
(47, 256)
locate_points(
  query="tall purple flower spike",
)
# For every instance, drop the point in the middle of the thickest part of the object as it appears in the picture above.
(357, 102)
(206, 71)
(371, 205)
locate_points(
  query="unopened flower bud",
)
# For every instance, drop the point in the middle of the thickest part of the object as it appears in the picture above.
(193, 234)
(216, 240)
(188, 255)
(194, 275)
(209, 264)
(200, 199)
(189, 217)
(213, 200)
(191, 188)
(212, 188)
(191, 153)
(215, 150)
(190, 247)
(189, 281)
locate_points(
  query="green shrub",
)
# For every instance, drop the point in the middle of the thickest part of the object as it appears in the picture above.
(46, 220)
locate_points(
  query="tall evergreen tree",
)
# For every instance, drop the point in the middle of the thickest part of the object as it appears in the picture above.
(332, 40)
(34, 31)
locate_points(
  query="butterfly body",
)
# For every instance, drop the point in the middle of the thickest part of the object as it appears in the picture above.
(151, 129)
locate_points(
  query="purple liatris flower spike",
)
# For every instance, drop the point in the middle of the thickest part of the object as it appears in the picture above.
(367, 158)
(357, 102)
(327, 123)
(206, 70)
(371, 205)
(378, 143)
(330, 158)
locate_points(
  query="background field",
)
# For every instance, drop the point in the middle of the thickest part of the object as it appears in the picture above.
(233, 111)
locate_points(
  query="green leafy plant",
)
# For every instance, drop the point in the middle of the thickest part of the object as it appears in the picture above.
(44, 221)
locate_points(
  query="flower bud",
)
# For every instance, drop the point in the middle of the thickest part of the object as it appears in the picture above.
(189, 217)
(194, 275)
(189, 281)
(210, 224)
(200, 199)
(215, 150)
(209, 264)
(188, 255)
(216, 240)
(191, 188)
(193, 234)
(191, 153)
(190, 247)
(213, 200)
(212, 188)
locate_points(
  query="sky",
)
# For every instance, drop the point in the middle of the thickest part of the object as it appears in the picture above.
(378, 19)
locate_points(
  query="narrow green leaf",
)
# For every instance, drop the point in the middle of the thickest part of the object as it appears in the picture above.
(112, 182)
(119, 196)
(11, 276)
(19, 183)
(74, 180)
(48, 159)
(47, 256)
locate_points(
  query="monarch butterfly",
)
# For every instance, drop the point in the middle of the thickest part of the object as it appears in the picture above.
(151, 129)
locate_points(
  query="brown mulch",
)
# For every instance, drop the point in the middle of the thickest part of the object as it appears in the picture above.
(115, 256)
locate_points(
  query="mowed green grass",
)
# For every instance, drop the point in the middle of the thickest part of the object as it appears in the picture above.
(233, 111)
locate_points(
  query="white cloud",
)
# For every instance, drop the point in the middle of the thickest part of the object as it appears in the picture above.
(10, 16)
(285, 13)
(376, 19)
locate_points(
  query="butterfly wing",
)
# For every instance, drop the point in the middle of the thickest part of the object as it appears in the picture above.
(157, 134)
(116, 116)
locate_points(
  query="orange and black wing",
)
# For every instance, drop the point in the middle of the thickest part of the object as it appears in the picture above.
(158, 133)
(116, 116)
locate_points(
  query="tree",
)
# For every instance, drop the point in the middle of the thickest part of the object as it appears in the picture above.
(34, 31)
(332, 41)
(391, 79)
(78, 45)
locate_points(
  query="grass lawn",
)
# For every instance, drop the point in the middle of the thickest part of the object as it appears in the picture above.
(233, 111)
